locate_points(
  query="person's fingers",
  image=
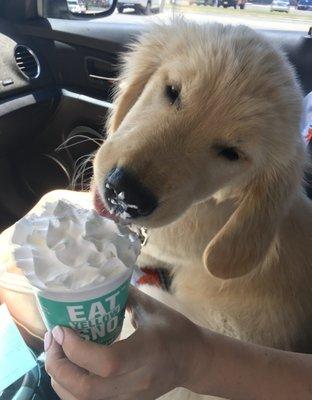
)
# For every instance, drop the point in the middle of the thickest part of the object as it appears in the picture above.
(91, 387)
(62, 393)
(70, 376)
(116, 359)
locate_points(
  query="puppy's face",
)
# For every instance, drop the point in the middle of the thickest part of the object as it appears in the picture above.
(207, 116)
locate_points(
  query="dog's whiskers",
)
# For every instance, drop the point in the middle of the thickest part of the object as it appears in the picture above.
(81, 170)
(84, 138)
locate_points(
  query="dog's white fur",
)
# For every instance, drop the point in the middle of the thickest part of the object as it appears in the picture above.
(236, 234)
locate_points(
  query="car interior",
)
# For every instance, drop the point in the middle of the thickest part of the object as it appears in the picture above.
(57, 74)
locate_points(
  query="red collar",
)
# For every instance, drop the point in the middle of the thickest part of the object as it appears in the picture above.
(155, 277)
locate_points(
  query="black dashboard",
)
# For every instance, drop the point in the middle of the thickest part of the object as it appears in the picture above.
(11, 78)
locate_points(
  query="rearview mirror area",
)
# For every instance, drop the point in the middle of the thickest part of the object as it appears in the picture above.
(89, 7)
(76, 9)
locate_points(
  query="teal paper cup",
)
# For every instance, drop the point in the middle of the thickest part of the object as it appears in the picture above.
(97, 314)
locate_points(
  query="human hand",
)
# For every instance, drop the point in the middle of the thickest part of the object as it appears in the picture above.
(158, 357)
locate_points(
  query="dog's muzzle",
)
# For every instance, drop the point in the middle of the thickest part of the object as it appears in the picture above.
(126, 196)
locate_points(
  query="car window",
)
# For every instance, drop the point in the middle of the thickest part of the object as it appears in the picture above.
(293, 15)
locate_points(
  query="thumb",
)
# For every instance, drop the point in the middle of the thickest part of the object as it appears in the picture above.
(140, 306)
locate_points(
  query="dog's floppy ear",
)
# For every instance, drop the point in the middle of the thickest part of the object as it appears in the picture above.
(245, 240)
(138, 65)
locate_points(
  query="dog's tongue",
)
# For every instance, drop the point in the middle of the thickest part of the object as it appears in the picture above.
(100, 207)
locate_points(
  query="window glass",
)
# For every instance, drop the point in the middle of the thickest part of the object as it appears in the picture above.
(281, 15)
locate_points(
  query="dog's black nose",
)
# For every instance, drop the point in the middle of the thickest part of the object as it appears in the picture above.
(126, 196)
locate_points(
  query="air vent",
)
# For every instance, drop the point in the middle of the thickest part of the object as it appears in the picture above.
(27, 62)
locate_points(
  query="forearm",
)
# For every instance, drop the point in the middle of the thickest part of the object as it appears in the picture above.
(241, 371)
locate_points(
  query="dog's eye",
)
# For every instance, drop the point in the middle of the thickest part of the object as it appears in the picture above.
(173, 93)
(229, 153)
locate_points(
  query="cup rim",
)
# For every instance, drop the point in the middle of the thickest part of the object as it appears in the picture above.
(85, 294)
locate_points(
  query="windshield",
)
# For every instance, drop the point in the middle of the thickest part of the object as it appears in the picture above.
(258, 14)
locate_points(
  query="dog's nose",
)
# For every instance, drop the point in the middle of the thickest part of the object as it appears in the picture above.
(126, 196)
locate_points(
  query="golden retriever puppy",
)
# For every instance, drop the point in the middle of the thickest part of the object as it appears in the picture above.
(204, 150)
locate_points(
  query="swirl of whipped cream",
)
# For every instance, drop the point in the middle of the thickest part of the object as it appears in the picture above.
(67, 248)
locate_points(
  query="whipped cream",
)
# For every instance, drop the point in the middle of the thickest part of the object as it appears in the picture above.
(66, 248)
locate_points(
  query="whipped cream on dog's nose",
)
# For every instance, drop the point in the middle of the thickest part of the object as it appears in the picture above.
(68, 248)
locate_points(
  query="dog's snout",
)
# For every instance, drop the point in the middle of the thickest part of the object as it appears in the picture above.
(126, 196)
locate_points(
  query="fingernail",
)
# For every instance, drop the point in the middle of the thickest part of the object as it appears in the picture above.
(47, 340)
(58, 334)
